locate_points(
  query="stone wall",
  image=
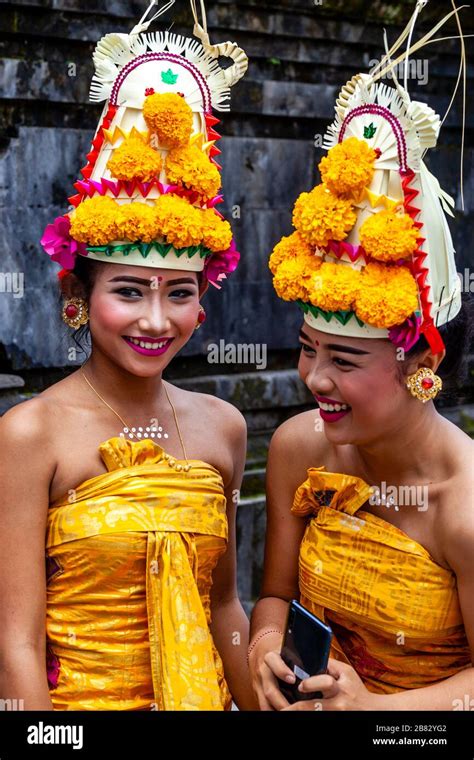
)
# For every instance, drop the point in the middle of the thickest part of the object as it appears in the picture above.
(301, 52)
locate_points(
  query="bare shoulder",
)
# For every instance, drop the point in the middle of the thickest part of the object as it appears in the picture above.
(301, 439)
(38, 416)
(296, 446)
(214, 411)
(26, 421)
(27, 449)
(456, 514)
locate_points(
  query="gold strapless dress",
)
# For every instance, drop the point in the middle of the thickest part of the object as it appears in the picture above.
(394, 611)
(130, 555)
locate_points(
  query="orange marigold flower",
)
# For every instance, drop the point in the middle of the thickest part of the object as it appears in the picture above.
(189, 166)
(94, 221)
(137, 222)
(168, 116)
(388, 236)
(319, 216)
(290, 282)
(348, 168)
(134, 159)
(388, 295)
(216, 232)
(334, 287)
(178, 221)
(293, 247)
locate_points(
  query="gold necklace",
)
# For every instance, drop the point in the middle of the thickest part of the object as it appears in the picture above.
(139, 432)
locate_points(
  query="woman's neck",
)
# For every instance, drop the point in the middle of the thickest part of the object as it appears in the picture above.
(121, 388)
(409, 452)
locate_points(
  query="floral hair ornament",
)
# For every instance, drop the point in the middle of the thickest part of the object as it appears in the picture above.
(149, 192)
(372, 255)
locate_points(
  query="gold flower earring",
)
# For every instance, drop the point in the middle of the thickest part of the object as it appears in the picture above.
(75, 312)
(424, 384)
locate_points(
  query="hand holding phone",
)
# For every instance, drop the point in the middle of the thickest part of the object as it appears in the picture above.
(305, 650)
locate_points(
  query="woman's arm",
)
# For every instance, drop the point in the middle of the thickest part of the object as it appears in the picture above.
(26, 470)
(230, 625)
(286, 470)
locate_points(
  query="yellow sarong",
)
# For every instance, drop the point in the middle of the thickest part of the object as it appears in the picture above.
(130, 555)
(394, 611)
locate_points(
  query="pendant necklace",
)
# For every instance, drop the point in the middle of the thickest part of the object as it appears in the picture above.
(148, 432)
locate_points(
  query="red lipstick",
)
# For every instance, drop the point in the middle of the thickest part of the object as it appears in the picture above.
(330, 409)
(161, 345)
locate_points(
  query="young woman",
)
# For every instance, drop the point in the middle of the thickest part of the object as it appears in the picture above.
(370, 509)
(130, 479)
(395, 582)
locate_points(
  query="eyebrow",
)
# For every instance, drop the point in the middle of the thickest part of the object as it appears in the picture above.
(345, 349)
(140, 281)
(337, 347)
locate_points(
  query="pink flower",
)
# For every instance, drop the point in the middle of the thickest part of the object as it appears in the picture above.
(406, 335)
(58, 243)
(52, 667)
(221, 263)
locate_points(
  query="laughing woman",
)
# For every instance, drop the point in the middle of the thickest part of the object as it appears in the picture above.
(370, 508)
(129, 477)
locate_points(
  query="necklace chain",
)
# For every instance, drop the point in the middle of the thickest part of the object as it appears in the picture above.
(171, 460)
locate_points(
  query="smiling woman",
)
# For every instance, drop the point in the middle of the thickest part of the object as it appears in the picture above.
(371, 264)
(131, 479)
(164, 285)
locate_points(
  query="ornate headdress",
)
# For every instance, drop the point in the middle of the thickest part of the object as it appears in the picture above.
(372, 255)
(150, 188)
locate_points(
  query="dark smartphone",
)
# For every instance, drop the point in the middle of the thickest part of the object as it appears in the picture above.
(305, 650)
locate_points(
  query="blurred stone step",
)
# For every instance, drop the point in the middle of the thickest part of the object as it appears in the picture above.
(10, 395)
(251, 522)
(462, 416)
(7, 382)
(253, 482)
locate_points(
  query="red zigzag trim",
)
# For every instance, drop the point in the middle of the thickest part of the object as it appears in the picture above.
(420, 271)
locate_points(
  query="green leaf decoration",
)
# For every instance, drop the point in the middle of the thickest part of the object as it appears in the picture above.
(369, 131)
(168, 77)
(145, 248)
(341, 316)
(165, 248)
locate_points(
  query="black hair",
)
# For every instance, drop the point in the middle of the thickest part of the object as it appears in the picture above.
(457, 336)
(86, 272)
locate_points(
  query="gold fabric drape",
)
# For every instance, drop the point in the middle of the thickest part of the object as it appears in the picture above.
(394, 611)
(130, 555)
